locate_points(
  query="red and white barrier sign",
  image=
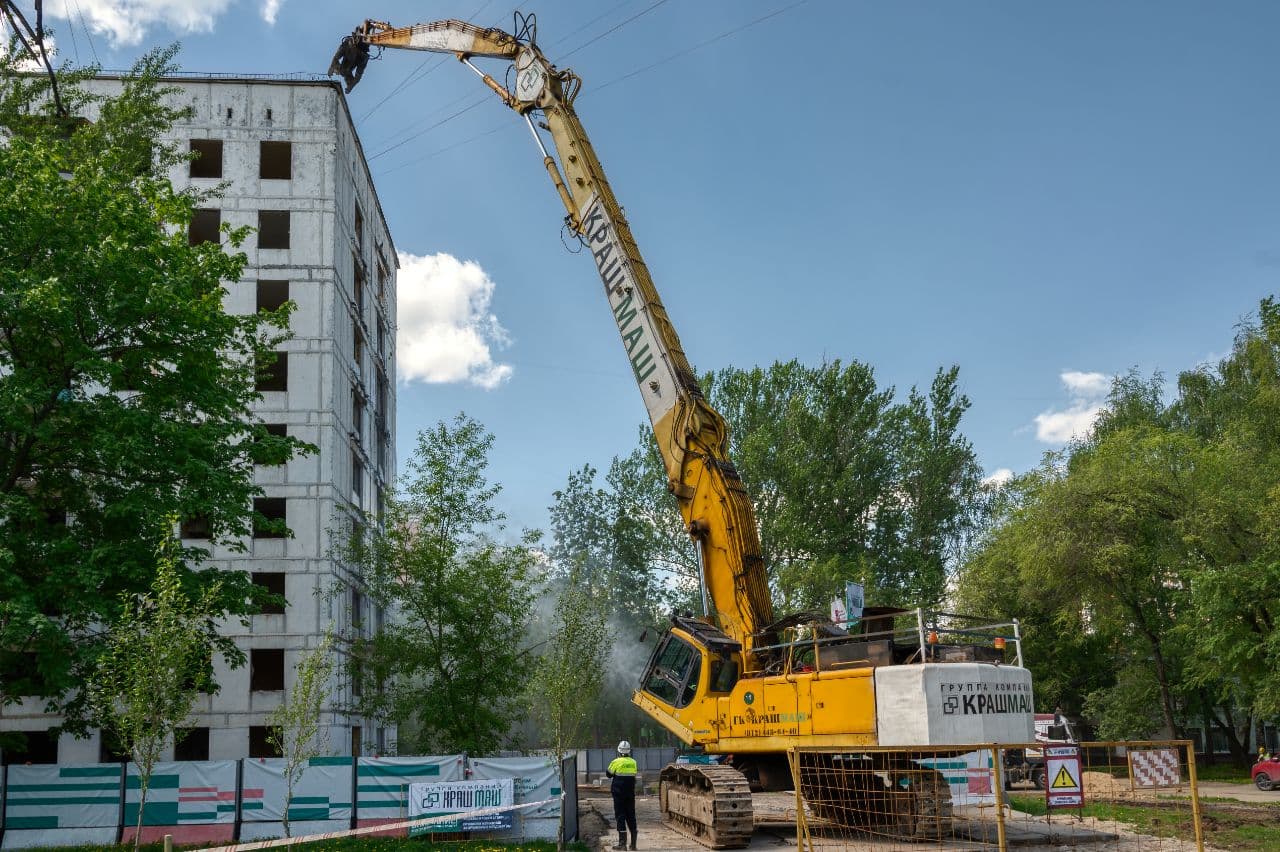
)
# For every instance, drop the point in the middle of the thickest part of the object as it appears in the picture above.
(1064, 782)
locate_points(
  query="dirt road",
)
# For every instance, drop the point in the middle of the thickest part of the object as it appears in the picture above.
(775, 831)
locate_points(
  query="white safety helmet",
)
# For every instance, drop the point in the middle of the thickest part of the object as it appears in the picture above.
(624, 748)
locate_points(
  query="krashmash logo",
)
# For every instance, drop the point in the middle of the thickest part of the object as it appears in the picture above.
(980, 699)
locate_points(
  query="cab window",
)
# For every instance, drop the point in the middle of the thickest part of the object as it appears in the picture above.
(673, 672)
(724, 674)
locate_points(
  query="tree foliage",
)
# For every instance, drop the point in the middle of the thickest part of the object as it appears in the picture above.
(570, 671)
(450, 667)
(1145, 558)
(125, 389)
(846, 482)
(294, 727)
(154, 663)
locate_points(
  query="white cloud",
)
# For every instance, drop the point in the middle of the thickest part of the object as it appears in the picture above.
(1088, 391)
(270, 8)
(1086, 385)
(446, 331)
(125, 22)
(998, 477)
(1058, 427)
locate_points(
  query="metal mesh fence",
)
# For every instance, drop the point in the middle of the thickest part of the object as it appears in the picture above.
(1109, 797)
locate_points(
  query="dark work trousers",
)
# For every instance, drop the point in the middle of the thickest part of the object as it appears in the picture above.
(624, 808)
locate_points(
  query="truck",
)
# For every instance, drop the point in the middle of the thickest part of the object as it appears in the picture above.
(735, 680)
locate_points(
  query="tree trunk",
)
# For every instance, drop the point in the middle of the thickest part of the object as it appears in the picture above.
(1162, 673)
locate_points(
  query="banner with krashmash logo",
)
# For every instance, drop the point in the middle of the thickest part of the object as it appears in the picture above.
(462, 797)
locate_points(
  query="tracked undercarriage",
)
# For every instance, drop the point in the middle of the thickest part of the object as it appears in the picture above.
(885, 793)
(881, 791)
(708, 804)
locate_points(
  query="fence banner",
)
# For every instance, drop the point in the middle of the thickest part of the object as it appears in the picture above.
(45, 838)
(250, 831)
(183, 793)
(323, 793)
(968, 775)
(48, 796)
(382, 783)
(535, 778)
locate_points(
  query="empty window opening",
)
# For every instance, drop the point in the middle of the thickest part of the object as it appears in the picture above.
(110, 750)
(228, 113)
(268, 113)
(271, 522)
(259, 744)
(357, 412)
(266, 669)
(275, 159)
(39, 747)
(208, 159)
(272, 582)
(267, 452)
(196, 526)
(191, 744)
(357, 348)
(272, 294)
(359, 226)
(273, 375)
(357, 474)
(357, 607)
(204, 226)
(358, 288)
(273, 229)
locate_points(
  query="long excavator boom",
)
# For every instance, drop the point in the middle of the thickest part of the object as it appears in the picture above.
(737, 683)
(692, 436)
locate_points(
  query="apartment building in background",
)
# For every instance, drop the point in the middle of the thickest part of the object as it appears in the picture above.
(293, 169)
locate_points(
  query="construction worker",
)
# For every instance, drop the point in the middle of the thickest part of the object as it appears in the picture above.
(622, 769)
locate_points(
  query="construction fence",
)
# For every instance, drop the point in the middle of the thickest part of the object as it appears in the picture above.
(1103, 796)
(233, 801)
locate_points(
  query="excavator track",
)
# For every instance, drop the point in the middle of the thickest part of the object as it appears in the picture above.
(708, 804)
(902, 800)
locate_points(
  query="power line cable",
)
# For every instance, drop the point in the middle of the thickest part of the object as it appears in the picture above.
(71, 28)
(444, 120)
(87, 35)
(409, 78)
(698, 46)
(471, 106)
(627, 76)
(591, 22)
(612, 29)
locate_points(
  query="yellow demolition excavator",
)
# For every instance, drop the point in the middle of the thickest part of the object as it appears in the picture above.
(736, 682)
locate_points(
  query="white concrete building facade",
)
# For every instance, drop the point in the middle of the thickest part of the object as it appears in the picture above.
(293, 169)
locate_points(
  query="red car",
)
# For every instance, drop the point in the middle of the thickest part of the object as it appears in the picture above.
(1266, 773)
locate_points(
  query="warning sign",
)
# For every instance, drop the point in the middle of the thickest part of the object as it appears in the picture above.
(1062, 769)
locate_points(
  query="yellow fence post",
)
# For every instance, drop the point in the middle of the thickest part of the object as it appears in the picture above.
(1195, 793)
(803, 840)
(997, 782)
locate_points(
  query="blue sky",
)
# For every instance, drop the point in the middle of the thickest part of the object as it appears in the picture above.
(1043, 194)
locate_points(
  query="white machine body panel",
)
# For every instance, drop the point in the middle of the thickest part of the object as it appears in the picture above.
(938, 704)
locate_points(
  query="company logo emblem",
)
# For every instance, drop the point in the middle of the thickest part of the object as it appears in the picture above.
(749, 698)
(950, 705)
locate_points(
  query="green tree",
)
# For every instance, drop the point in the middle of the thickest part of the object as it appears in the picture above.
(450, 668)
(848, 484)
(153, 665)
(1149, 550)
(569, 674)
(294, 727)
(125, 389)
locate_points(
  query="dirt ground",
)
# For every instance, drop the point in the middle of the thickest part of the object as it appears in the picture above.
(775, 816)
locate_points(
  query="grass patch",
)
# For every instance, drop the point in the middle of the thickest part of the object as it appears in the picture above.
(376, 844)
(1241, 828)
(1222, 772)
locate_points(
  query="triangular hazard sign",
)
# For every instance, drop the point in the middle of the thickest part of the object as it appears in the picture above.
(1064, 779)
